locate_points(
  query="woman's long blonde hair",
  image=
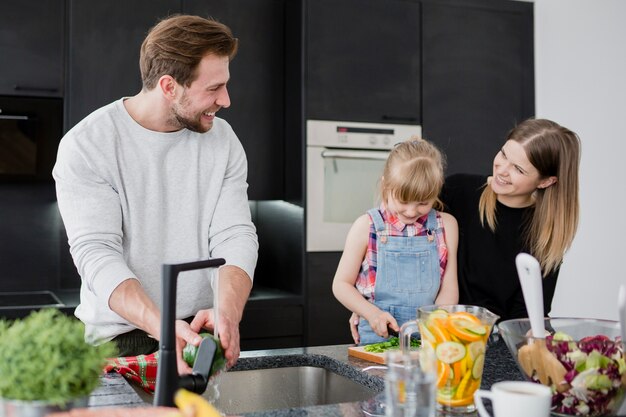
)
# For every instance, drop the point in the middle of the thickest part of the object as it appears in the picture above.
(414, 171)
(554, 151)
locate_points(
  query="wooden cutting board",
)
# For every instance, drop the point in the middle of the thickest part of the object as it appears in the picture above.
(359, 352)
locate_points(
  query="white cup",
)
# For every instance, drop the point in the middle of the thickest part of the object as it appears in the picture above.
(410, 383)
(515, 399)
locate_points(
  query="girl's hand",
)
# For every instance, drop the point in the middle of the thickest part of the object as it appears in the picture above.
(354, 327)
(380, 323)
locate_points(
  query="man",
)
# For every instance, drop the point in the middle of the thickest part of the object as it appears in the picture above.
(158, 178)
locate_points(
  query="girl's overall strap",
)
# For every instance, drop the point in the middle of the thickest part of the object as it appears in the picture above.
(377, 218)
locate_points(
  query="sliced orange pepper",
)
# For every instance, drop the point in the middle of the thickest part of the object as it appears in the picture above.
(454, 338)
(437, 328)
(443, 373)
(456, 403)
(460, 328)
(465, 363)
(465, 315)
(473, 385)
(461, 392)
(401, 392)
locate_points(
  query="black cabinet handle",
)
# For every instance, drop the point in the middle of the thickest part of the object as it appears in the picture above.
(399, 118)
(31, 88)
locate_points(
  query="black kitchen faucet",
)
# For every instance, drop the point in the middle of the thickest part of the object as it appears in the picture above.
(168, 380)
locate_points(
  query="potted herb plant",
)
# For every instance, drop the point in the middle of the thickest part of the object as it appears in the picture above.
(46, 365)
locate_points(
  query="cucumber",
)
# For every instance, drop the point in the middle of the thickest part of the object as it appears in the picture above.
(437, 314)
(219, 361)
(476, 349)
(478, 329)
(427, 334)
(477, 369)
(446, 393)
(450, 352)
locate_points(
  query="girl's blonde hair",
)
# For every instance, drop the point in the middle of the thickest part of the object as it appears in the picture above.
(554, 151)
(413, 172)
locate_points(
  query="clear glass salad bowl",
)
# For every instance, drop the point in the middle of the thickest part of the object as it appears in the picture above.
(582, 360)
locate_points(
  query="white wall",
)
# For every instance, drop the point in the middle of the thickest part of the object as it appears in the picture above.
(580, 70)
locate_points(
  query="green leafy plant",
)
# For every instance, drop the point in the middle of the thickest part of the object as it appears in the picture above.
(44, 357)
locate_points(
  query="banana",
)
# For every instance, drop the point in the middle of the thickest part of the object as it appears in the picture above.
(193, 405)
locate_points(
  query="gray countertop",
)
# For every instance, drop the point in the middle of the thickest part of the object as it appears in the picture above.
(499, 366)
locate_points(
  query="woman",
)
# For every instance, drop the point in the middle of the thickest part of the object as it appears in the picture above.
(528, 204)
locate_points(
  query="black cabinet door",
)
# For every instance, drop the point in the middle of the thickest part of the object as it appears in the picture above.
(477, 77)
(104, 42)
(31, 237)
(31, 47)
(363, 60)
(256, 86)
(326, 318)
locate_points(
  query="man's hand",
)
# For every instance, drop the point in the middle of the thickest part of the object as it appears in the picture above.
(184, 335)
(228, 336)
(234, 289)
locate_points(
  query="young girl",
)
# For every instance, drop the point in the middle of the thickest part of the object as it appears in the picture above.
(402, 255)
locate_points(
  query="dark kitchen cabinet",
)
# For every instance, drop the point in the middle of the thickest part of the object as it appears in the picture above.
(326, 318)
(104, 42)
(256, 86)
(363, 60)
(31, 238)
(32, 47)
(271, 323)
(477, 77)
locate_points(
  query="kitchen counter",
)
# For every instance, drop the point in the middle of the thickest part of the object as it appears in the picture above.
(499, 365)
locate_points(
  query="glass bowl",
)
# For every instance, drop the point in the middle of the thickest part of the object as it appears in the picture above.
(582, 360)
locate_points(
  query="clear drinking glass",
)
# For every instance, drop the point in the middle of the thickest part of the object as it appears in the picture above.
(410, 383)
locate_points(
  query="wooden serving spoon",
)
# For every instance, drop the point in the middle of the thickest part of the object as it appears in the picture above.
(534, 357)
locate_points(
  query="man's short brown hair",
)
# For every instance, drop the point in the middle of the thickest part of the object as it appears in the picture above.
(176, 45)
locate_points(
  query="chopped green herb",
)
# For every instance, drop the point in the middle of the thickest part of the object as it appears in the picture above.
(391, 343)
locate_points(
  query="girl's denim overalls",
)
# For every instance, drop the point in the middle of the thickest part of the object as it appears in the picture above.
(407, 274)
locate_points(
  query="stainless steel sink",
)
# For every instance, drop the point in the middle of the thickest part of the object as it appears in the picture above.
(279, 388)
(300, 381)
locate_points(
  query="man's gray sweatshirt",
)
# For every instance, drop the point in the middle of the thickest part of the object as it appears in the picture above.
(132, 199)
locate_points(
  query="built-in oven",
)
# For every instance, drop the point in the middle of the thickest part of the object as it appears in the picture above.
(34, 255)
(345, 162)
(30, 131)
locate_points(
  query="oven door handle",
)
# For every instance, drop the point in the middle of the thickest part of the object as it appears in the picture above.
(11, 117)
(375, 155)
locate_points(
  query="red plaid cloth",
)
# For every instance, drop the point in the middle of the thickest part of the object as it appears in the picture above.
(141, 369)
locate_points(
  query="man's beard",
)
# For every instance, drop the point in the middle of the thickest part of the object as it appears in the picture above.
(193, 124)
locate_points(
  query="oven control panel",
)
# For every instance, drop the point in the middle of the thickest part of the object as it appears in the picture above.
(358, 135)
